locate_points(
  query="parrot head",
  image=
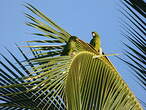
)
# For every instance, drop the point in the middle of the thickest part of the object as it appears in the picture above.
(95, 35)
(73, 38)
(96, 38)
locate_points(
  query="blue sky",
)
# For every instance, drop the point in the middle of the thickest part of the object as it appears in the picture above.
(78, 17)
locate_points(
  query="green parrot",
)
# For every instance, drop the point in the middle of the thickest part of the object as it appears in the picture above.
(96, 43)
(70, 48)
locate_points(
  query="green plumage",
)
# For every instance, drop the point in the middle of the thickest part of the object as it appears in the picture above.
(70, 47)
(95, 42)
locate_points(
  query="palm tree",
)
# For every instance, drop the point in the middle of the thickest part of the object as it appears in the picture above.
(50, 79)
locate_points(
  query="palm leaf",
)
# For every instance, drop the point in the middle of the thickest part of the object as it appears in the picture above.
(134, 31)
(13, 93)
(41, 15)
(55, 34)
(94, 84)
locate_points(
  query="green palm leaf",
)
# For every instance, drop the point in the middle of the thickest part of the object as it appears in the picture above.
(13, 91)
(94, 84)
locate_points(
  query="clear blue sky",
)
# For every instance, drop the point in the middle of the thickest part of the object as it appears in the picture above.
(78, 17)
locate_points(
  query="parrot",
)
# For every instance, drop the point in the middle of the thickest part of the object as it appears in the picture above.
(96, 43)
(70, 48)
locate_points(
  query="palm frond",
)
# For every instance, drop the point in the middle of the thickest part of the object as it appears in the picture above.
(94, 84)
(14, 92)
(134, 31)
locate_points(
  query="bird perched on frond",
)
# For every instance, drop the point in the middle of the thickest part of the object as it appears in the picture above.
(70, 48)
(96, 43)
